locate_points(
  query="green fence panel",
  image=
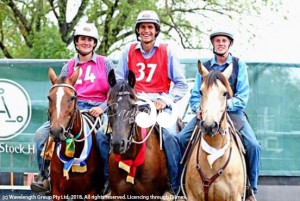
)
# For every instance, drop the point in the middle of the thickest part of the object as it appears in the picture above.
(274, 113)
(273, 110)
(18, 154)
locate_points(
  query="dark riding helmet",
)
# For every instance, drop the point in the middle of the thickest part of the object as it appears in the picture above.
(224, 31)
(147, 16)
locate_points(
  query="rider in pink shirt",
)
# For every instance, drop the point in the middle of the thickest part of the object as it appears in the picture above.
(91, 87)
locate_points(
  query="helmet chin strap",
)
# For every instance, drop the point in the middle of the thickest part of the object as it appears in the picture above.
(221, 55)
(83, 54)
(138, 39)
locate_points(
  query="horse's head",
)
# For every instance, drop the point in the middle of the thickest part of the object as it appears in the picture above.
(215, 90)
(122, 111)
(62, 104)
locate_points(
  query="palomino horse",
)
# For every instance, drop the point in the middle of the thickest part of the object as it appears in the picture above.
(137, 166)
(215, 170)
(75, 170)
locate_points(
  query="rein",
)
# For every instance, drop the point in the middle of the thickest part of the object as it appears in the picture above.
(145, 139)
(93, 127)
(132, 121)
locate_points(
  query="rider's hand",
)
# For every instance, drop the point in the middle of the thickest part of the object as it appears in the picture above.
(159, 105)
(96, 111)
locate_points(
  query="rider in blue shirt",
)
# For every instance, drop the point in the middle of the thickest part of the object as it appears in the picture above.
(168, 79)
(222, 39)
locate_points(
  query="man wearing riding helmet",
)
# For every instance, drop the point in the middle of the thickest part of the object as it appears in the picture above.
(91, 87)
(156, 67)
(222, 39)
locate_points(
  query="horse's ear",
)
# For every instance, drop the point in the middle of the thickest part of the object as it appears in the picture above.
(131, 78)
(112, 78)
(74, 76)
(52, 75)
(201, 69)
(227, 72)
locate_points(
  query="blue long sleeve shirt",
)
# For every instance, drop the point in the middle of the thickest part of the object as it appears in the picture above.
(179, 85)
(239, 99)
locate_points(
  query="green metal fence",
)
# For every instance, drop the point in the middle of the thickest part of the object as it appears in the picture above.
(273, 110)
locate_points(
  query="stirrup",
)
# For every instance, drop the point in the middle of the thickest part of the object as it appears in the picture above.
(250, 196)
(168, 196)
(42, 187)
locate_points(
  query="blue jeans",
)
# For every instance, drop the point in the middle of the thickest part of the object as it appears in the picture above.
(103, 145)
(249, 140)
(42, 134)
(173, 154)
(253, 150)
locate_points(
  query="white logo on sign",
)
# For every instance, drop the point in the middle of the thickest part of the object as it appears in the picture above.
(15, 109)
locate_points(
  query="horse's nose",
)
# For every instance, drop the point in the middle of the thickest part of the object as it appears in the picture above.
(119, 147)
(209, 128)
(56, 132)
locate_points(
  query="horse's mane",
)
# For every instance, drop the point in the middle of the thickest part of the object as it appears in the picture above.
(121, 86)
(212, 78)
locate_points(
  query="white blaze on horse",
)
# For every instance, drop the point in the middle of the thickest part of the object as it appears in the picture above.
(215, 170)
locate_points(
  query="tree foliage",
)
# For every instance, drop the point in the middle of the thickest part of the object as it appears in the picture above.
(40, 28)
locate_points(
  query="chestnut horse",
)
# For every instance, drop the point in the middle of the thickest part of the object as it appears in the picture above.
(75, 171)
(137, 166)
(215, 170)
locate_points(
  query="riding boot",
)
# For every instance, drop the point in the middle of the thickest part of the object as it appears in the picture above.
(250, 195)
(170, 194)
(42, 183)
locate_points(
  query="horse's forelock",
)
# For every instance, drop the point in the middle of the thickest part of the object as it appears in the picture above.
(61, 80)
(212, 78)
(120, 86)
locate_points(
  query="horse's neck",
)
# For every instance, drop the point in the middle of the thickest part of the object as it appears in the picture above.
(77, 128)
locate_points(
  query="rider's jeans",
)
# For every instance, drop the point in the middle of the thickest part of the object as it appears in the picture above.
(41, 136)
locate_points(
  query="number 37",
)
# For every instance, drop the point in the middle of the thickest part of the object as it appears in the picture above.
(141, 70)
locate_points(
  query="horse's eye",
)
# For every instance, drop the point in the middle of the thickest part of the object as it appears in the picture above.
(225, 93)
(73, 98)
(49, 99)
(201, 92)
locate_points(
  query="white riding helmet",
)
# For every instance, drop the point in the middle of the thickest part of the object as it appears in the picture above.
(147, 16)
(87, 29)
(224, 31)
